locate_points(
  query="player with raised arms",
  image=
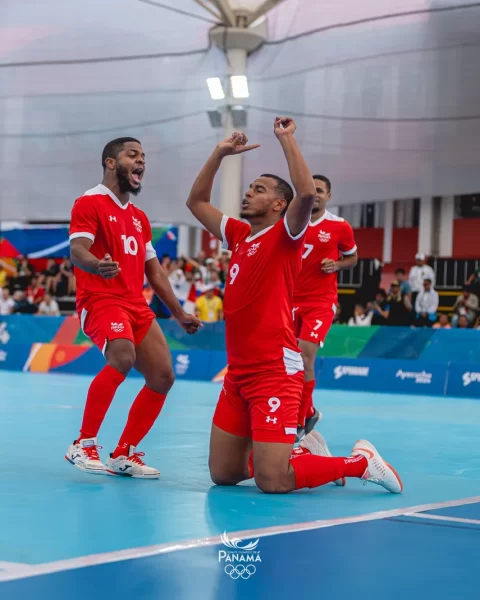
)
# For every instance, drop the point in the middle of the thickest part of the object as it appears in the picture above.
(111, 248)
(255, 421)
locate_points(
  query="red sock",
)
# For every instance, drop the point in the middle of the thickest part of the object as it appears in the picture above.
(143, 414)
(312, 471)
(100, 396)
(306, 405)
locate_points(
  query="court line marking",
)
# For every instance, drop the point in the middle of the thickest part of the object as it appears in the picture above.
(147, 551)
(442, 518)
(12, 566)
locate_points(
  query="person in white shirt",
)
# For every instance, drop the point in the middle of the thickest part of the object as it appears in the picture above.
(49, 307)
(426, 305)
(419, 273)
(6, 303)
(361, 317)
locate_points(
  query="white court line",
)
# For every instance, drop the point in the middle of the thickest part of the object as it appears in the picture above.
(12, 566)
(135, 553)
(442, 518)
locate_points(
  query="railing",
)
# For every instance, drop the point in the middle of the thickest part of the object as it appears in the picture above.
(452, 273)
(366, 268)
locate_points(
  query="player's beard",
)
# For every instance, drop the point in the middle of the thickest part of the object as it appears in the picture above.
(248, 216)
(124, 182)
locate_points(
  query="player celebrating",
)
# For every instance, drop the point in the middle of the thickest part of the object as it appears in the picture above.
(259, 402)
(110, 244)
(329, 247)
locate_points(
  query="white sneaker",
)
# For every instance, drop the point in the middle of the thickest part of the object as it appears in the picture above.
(378, 470)
(131, 466)
(84, 456)
(315, 442)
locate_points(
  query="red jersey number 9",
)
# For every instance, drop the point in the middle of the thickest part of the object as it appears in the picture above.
(235, 269)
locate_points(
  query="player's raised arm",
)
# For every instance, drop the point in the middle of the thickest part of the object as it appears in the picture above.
(199, 199)
(300, 209)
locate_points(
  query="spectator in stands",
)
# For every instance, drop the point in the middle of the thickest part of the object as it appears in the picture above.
(36, 291)
(426, 305)
(50, 275)
(466, 304)
(66, 283)
(209, 307)
(443, 322)
(419, 273)
(405, 287)
(477, 323)
(380, 308)
(49, 307)
(338, 318)
(400, 306)
(22, 305)
(6, 302)
(24, 275)
(361, 317)
(3, 276)
(474, 282)
(462, 322)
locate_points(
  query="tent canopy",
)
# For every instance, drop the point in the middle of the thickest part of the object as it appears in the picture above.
(386, 96)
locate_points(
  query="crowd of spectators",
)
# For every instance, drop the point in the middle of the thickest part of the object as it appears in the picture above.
(413, 301)
(199, 284)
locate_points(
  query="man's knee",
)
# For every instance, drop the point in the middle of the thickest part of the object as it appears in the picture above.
(222, 477)
(271, 482)
(121, 358)
(161, 381)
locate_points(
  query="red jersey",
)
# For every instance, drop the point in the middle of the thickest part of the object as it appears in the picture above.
(326, 238)
(258, 297)
(124, 232)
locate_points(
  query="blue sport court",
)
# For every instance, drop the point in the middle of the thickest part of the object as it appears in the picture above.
(67, 535)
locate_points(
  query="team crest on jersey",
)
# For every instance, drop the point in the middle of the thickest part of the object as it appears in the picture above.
(253, 249)
(117, 327)
(324, 236)
(138, 224)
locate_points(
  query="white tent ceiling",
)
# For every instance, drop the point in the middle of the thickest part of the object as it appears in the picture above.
(386, 96)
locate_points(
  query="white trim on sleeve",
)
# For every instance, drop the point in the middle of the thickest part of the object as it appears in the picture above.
(150, 252)
(82, 234)
(295, 237)
(223, 226)
(352, 251)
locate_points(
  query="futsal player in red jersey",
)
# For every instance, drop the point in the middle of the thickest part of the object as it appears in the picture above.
(329, 248)
(111, 248)
(255, 421)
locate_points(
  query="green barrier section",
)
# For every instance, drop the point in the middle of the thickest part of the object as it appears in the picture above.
(347, 342)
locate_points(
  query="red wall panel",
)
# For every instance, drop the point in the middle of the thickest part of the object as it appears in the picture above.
(404, 244)
(369, 242)
(466, 234)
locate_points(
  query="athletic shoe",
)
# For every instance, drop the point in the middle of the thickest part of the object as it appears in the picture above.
(84, 455)
(316, 444)
(378, 470)
(131, 466)
(309, 426)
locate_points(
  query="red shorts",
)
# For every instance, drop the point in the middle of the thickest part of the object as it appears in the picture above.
(263, 407)
(312, 323)
(108, 319)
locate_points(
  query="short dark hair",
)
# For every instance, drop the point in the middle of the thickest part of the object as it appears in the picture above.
(283, 188)
(325, 180)
(400, 270)
(112, 149)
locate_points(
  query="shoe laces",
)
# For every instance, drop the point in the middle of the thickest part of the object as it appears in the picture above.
(92, 452)
(135, 458)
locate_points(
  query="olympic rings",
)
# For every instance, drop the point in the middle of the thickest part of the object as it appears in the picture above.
(236, 571)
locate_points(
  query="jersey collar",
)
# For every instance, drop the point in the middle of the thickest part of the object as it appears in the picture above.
(104, 190)
(322, 218)
(250, 238)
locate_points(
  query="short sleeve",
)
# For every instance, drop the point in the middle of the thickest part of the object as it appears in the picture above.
(347, 244)
(150, 250)
(84, 219)
(233, 231)
(295, 238)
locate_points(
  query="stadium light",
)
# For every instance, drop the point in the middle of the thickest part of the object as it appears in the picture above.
(239, 86)
(215, 88)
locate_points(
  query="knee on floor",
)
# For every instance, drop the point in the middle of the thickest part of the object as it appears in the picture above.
(273, 483)
(220, 477)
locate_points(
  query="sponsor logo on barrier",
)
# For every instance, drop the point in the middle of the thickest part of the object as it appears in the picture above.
(470, 377)
(420, 377)
(347, 371)
(4, 335)
(3, 356)
(182, 364)
(239, 557)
